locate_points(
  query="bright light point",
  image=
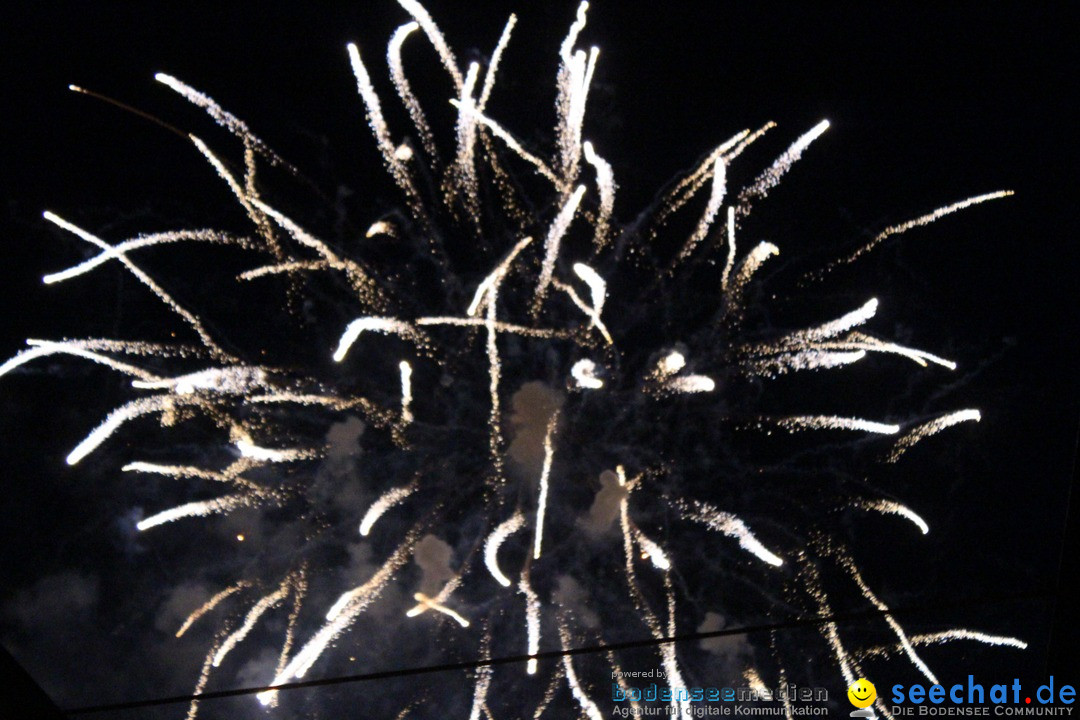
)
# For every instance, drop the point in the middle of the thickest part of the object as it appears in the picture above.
(584, 373)
(337, 607)
(960, 634)
(356, 328)
(403, 152)
(530, 667)
(388, 500)
(692, 384)
(427, 603)
(731, 526)
(891, 507)
(495, 540)
(597, 285)
(652, 552)
(832, 422)
(773, 560)
(250, 450)
(240, 538)
(378, 228)
(921, 432)
(672, 363)
(406, 392)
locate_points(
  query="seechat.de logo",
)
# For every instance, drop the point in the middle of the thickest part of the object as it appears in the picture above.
(860, 694)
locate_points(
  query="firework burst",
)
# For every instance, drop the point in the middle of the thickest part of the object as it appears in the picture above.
(548, 407)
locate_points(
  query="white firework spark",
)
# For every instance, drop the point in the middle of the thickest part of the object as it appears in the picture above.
(495, 540)
(580, 297)
(427, 603)
(891, 507)
(932, 427)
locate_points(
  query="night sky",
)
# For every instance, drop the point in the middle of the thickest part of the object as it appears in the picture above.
(927, 107)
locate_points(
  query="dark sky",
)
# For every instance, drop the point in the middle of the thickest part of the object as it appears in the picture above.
(928, 105)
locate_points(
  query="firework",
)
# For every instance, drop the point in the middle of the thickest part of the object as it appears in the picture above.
(538, 409)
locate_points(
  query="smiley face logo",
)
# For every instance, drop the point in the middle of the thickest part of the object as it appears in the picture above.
(861, 693)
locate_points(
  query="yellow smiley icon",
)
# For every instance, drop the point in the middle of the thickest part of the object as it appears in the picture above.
(861, 693)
